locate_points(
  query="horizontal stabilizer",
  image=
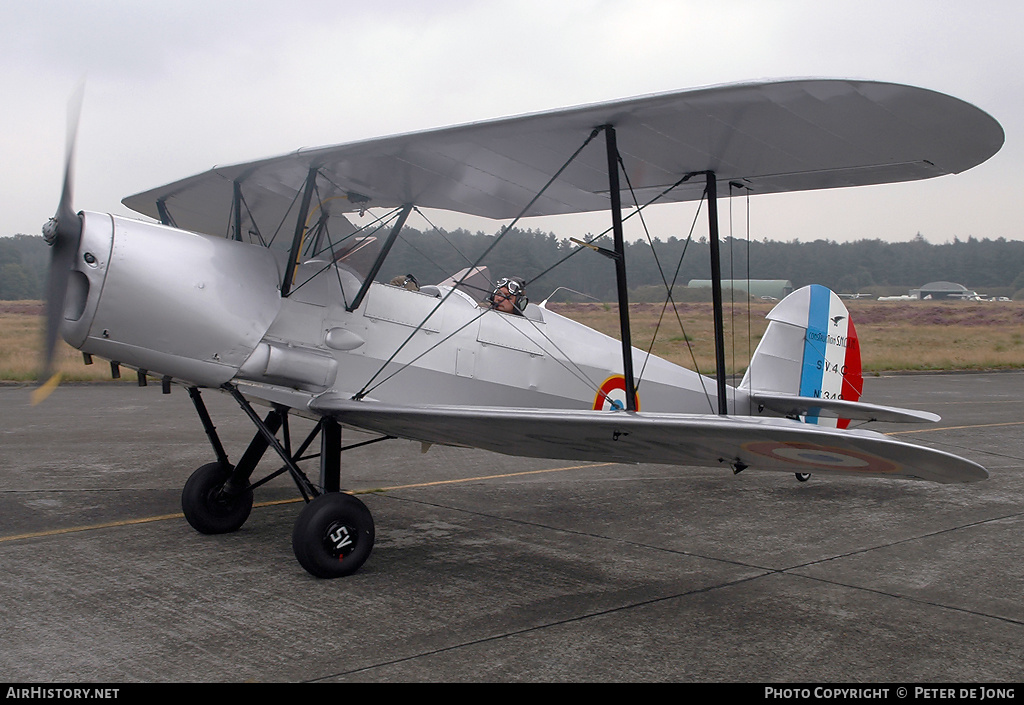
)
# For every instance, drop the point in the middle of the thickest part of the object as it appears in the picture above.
(791, 405)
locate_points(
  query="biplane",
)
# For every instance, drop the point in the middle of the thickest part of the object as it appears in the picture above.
(254, 281)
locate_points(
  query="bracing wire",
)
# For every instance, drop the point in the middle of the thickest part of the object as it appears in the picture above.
(668, 287)
(321, 227)
(605, 232)
(675, 277)
(750, 337)
(440, 232)
(749, 311)
(367, 388)
(732, 290)
(284, 218)
(255, 227)
(661, 273)
(505, 230)
(571, 367)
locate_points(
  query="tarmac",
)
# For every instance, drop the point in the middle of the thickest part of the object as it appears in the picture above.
(490, 568)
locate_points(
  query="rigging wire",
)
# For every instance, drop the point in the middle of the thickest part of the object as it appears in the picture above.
(504, 231)
(565, 361)
(638, 212)
(568, 364)
(440, 232)
(732, 290)
(403, 366)
(732, 310)
(255, 230)
(664, 307)
(323, 228)
(581, 248)
(295, 198)
(578, 373)
(750, 337)
(668, 288)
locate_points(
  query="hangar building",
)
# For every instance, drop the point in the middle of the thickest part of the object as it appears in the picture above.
(944, 290)
(758, 288)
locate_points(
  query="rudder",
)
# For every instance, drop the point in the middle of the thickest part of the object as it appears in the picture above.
(810, 349)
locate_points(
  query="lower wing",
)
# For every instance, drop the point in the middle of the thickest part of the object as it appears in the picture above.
(640, 437)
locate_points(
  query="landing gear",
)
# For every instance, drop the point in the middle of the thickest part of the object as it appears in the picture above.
(211, 505)
(333, 535)
(803, 476)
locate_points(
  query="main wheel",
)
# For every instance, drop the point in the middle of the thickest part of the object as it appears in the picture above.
(207, 507)
(333, 535)
(803, 476)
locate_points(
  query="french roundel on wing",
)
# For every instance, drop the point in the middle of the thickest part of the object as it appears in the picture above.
(807, 456)
(612, 395)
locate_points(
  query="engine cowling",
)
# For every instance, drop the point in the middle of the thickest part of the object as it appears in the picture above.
(190, 306)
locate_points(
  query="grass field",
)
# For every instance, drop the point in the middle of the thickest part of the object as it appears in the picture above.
(894, 335)
(917, 335)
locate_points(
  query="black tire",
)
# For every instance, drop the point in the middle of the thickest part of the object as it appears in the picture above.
(803, 476)
(209, 510)
(333, 535)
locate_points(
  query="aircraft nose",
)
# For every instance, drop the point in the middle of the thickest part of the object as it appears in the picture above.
(88, 269)
(187, 306)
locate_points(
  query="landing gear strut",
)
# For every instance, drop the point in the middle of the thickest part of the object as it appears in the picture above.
(333, 535)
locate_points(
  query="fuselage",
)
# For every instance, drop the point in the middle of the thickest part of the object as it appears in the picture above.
(206, 311)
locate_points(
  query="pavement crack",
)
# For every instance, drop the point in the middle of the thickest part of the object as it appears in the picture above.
(535, 628)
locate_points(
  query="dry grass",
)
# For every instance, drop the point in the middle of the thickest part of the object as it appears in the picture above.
(21, 333)
(939, 335)
(916, 335)
(690, 343)
(920, 335)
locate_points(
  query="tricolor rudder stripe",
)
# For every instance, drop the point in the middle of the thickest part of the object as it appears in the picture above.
(831, 366)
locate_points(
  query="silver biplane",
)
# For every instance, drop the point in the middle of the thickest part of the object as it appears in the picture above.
(255, 282)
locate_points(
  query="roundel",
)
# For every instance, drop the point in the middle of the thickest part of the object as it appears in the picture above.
(812, 456)
(612, 395)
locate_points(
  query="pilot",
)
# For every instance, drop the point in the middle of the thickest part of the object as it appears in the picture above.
(406, 281)
(509, 296)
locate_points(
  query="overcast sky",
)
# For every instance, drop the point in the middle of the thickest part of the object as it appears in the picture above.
(176, 87)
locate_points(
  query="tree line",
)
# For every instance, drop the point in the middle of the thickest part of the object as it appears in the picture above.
(995, 267)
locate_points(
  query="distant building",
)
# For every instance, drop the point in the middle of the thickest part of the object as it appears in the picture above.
(944, 290)
(758, 288)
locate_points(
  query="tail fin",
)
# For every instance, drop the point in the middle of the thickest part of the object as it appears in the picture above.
(810, 350)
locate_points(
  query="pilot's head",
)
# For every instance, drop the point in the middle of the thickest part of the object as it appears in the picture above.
(407, 281)
(509, 295)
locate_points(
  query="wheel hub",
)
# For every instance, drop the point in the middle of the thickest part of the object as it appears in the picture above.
(340, 540)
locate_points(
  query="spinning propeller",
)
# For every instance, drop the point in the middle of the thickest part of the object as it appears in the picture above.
(63, 232)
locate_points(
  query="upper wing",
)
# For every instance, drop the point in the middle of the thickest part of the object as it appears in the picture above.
(674, 439)
(771, 136)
